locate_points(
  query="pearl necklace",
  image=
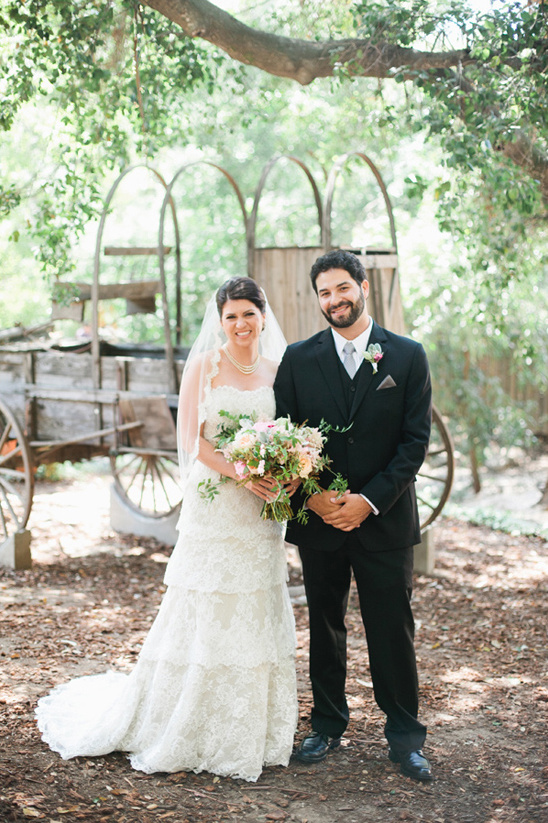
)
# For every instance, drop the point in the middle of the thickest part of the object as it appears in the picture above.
(244, 369)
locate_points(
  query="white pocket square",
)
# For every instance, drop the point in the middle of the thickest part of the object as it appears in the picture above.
(387, 383)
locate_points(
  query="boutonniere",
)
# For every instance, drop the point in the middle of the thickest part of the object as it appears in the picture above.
(373, 355)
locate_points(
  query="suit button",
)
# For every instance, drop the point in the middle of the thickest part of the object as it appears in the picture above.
(352, 388)
(350, 440)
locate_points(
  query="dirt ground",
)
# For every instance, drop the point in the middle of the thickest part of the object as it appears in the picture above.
(88, 602)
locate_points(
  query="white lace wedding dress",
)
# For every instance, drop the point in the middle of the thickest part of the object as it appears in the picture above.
(214, 687)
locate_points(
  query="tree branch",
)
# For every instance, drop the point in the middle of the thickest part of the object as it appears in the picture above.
(300, 60)
(305, 61)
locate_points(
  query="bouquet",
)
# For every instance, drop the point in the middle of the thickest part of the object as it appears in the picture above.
(280, 449)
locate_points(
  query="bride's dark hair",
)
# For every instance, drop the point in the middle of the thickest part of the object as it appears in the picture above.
(240, 288)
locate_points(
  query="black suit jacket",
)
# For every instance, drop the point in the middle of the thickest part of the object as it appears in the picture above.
(383, 450)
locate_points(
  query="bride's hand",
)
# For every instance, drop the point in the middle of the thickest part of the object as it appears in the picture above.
(266, 488)
(291, 487)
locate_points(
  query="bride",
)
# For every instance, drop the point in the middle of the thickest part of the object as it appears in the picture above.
(214, 687)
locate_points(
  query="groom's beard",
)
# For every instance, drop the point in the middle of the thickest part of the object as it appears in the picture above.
(356, 311)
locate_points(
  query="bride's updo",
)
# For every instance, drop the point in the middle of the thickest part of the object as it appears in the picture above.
(240, 288)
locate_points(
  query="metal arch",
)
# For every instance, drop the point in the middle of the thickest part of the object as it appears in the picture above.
(253, 217)
(168, 198)
(330, 190)
(96, 359)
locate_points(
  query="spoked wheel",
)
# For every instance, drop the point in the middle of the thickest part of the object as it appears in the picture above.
(149, 483)
(16, 475)
(435, 478)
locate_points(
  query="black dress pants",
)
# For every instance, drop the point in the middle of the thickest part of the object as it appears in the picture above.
(384, 582)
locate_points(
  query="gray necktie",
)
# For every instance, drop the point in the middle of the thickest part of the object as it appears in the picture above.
(349, 362)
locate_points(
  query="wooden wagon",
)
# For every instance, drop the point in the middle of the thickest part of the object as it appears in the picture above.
(93, 398)
(50, 412)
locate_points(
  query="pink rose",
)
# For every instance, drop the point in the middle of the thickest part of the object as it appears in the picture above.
(240, 468)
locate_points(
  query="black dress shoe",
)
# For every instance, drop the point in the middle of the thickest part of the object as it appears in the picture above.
(315, 747)
(412, 764)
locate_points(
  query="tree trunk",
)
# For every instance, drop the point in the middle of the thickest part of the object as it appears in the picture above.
(474, 467)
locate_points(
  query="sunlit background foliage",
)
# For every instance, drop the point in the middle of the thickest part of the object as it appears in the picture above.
(88, 88)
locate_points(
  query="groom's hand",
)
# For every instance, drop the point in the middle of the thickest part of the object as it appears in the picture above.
(349, 511)
(325, 504)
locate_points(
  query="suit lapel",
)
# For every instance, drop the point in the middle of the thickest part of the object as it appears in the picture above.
(328, 361)
(365, 375)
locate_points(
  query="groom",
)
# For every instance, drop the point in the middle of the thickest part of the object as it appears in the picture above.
(383, 393)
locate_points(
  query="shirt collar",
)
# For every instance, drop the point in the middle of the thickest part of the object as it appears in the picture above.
(360, 342)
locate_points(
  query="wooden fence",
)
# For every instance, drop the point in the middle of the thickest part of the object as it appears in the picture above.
(512, 384)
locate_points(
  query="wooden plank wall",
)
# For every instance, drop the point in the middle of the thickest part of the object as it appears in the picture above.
(12, 381)
(284, 275)
(52, 395)
(384, 302)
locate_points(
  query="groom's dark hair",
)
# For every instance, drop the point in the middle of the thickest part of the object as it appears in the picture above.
(338, 259)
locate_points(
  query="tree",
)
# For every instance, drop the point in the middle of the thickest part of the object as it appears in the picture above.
(483, 84)
(120, 71)
(495, 84)
(118, 81)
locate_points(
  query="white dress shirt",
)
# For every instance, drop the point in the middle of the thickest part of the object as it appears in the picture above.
(360, 344)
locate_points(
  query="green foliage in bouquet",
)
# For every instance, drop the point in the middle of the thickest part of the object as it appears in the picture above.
(278, 449)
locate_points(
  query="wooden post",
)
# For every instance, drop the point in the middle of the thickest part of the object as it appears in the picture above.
(425, 554)
(384, 303)
(15, 551)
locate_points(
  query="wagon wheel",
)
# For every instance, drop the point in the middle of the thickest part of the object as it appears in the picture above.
(435, 478)
(148, 482)
(16, 475)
